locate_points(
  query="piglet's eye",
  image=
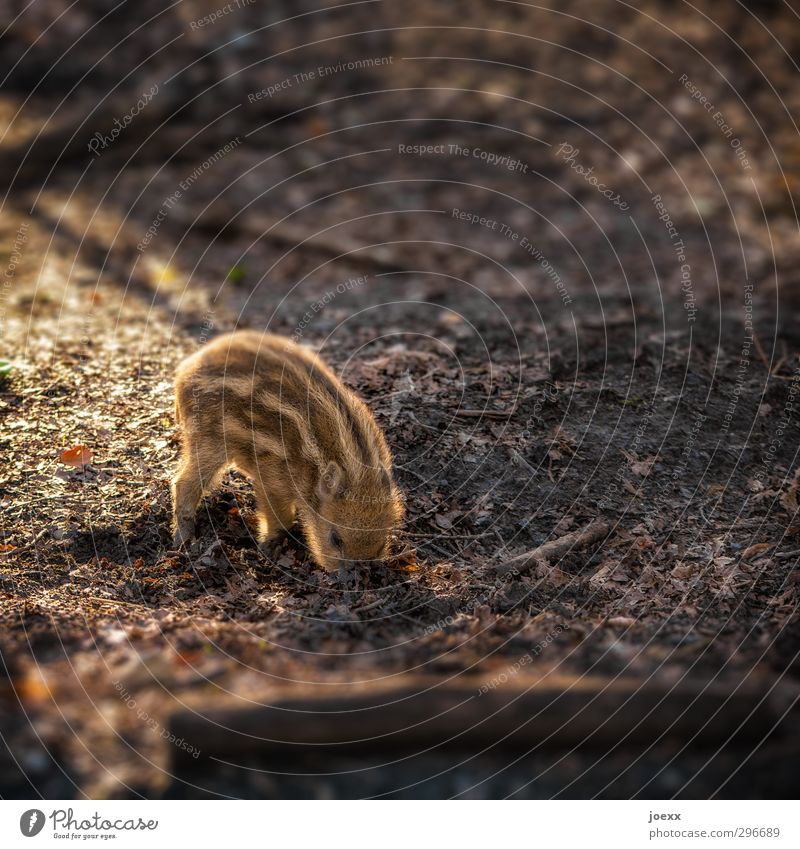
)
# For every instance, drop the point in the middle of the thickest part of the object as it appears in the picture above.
(336, 540)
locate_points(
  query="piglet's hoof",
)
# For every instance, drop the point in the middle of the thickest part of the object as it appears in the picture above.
(183, 535)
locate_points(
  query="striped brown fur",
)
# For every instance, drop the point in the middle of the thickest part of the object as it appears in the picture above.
(312, 448)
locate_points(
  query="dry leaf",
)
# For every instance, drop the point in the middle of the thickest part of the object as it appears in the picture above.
(755, 549)
(640, 467)
(683, 571)
(32, 689)
(629, 487)
(79, 455)
(554, 576)
(315, 127)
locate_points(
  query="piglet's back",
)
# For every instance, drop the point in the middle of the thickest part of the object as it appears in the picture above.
(263, 394)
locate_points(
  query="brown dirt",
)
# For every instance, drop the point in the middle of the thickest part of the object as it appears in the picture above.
(620, 404)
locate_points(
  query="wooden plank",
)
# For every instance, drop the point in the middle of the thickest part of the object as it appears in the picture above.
(558, 712)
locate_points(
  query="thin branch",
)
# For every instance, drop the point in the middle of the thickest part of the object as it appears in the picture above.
(556, 548)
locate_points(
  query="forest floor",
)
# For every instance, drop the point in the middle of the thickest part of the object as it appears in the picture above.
(534, 371)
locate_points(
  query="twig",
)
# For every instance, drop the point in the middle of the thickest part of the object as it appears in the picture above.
(420, 424)
(371, 606)
(417, 475)
(406, 552)
(450, 536)
(558, 547)
(771, 371)
(760, 351)
(18, 549)
(779, 365)
(500, 539)
(485, 414)
(521, 461)
(113, 601)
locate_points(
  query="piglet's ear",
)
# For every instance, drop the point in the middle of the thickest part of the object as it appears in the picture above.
(330, 481)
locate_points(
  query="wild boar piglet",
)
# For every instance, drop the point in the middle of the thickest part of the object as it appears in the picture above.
(275, 411)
